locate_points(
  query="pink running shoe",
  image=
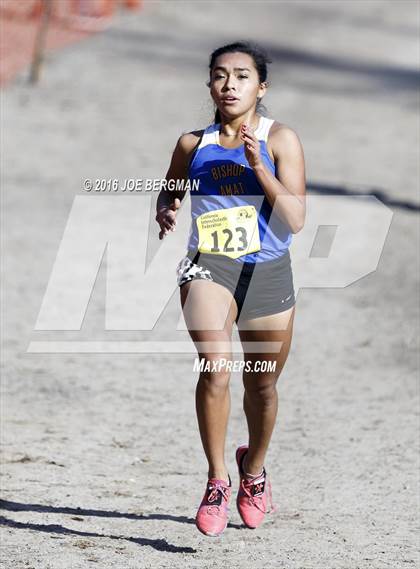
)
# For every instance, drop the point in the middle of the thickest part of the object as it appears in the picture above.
(252, 495)
(212, 515)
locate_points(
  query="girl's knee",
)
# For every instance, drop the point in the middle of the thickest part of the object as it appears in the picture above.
(265, 393)
(214, 371)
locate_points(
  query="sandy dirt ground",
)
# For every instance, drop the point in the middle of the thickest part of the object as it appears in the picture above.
(102, 464)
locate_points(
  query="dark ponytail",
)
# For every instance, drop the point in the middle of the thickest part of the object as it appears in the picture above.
(260, 58)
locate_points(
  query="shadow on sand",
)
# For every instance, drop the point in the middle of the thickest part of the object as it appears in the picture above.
(382, 195)
(158, 544)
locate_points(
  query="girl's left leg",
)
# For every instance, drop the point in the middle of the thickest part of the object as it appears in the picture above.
(260, 395)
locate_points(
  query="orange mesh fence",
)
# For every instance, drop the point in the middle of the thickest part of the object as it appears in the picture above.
(69, 21)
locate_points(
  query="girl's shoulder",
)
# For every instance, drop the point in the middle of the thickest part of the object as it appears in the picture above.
(281, 137)
(189, 140)
(279, 129)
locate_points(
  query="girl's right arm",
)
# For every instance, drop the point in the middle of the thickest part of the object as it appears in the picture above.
(169, 201)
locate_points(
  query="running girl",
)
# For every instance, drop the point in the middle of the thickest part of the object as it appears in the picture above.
(237, 269)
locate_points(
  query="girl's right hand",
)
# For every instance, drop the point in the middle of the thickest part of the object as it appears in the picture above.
(166, 217)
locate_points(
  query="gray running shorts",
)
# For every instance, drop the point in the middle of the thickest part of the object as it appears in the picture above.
(259, 289)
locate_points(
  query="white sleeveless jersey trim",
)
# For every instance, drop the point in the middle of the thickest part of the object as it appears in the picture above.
(211, 133)
(265, 126)
(209, 136)
(261, 132)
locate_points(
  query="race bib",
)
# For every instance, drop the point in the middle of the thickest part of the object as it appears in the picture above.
(232, 232)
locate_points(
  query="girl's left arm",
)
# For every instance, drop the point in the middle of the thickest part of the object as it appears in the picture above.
(286, 191)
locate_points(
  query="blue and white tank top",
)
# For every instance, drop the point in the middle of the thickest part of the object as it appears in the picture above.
(226, 180)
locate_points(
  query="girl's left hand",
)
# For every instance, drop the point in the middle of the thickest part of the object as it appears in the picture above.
(252, 146)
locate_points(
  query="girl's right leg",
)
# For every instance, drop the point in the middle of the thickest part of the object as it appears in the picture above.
(210, 311)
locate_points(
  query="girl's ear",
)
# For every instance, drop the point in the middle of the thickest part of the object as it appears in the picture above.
(262, 90)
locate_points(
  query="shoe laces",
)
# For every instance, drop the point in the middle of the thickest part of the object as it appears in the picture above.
(257, 501)
(214, 489)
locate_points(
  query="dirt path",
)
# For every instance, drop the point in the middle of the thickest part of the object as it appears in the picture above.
(102, 462)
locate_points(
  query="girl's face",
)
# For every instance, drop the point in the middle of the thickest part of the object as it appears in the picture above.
(234, 84)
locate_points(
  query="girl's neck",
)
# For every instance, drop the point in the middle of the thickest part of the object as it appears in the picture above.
(233, 127)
